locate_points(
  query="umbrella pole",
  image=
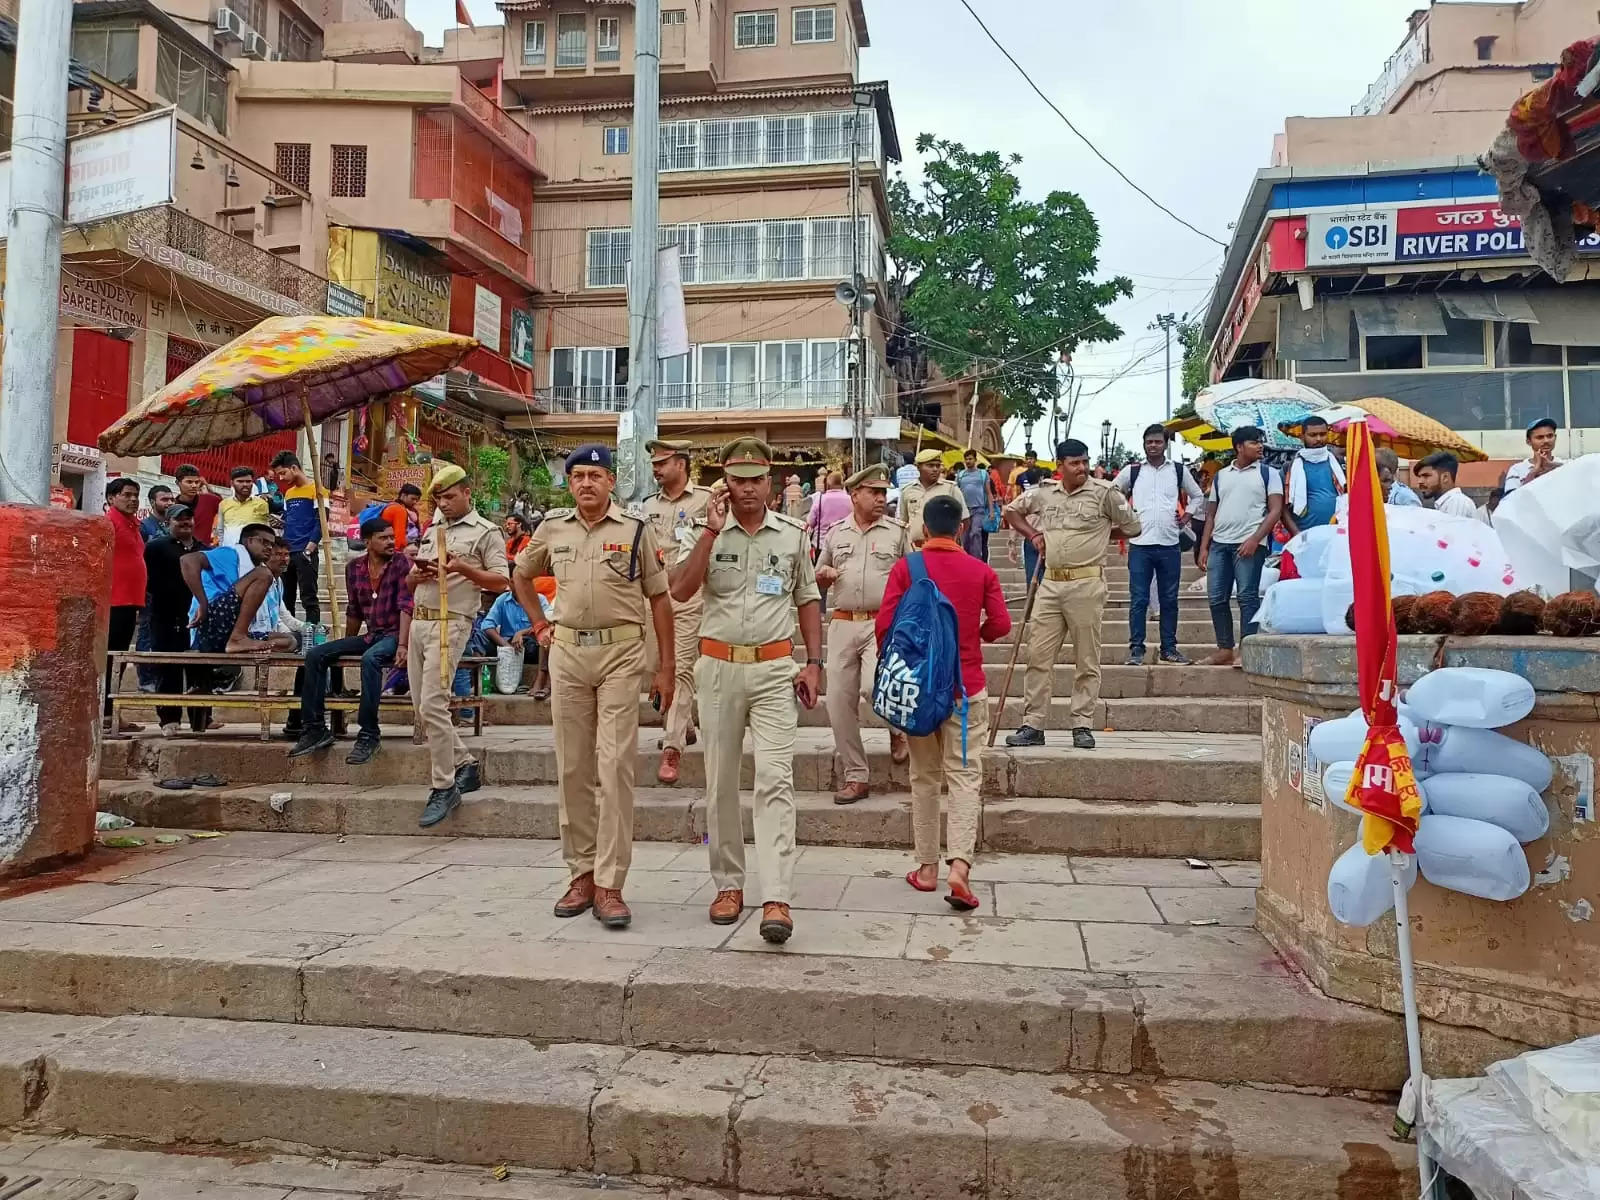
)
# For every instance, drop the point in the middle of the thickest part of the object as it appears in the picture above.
(322, 515)
(1408, 986)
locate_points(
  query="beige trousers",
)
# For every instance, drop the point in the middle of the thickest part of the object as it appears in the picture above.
(594, 705)
(679, 719)
(852, 663)
(760, 696)
(430, 696)
(1064, 608)
(935, 763)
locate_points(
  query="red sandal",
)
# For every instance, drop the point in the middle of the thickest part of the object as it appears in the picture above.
(913, 877)
(961, 898)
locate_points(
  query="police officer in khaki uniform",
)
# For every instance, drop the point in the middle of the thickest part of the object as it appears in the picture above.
(475, 563)
(857, 555)
(608, 571)
(672, 513)
(914, 496)
(756, 570)
(1069, 521)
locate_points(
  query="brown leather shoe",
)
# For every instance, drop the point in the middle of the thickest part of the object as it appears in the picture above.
(899, 750)
(667, 772)
(609, 909)
(776, 923)
(727, 907)
(851, 792)
(579, 898)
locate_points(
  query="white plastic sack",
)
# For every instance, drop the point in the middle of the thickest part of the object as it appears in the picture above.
(1498, 799)
(1473, 696)
(1341, 740)
(1473, 857)
(1458, 750)
(1431, 551)
(1338, 592)
(1485, 1138)
(507, 670)
(1310, 549)
(1359, 887)
(1269, 576)
(1549, 527)
(1560, 1089)
(1292, 606)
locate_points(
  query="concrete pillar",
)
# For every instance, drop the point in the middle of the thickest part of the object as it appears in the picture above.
(55, 587)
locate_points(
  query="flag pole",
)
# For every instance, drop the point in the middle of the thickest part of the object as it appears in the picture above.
(1410, 1114)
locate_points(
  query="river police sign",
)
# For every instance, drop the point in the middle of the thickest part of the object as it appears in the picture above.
(1430, 233)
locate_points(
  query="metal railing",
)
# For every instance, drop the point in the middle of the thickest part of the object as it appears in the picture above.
(496, 118)
(221, 260)
(702, 397)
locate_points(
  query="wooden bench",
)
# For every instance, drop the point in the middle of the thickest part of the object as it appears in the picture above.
(260, 696)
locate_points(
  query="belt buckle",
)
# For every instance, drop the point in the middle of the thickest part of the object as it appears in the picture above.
(590, 637)
(744, 655)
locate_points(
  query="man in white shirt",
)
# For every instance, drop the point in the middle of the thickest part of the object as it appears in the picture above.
(1158, 489)
(1542, 460)
(1436, 480)
(1246, 502)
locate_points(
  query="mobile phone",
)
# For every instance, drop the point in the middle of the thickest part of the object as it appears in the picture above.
(655, 700)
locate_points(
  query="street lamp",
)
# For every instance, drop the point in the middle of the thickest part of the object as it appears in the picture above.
(1105, 443)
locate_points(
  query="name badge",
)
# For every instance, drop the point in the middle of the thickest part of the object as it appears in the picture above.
(769, 585)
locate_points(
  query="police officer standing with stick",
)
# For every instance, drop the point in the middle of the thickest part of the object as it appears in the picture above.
(475, 562)
(672, 513)
(857, 555)
(608, 572)
(928, 485)
(756, 571)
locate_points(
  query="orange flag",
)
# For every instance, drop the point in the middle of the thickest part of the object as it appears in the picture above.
(1384, 785)
(463, 17)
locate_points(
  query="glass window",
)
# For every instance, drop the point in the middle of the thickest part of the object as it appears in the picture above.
(783, 374)
(194, 85)
(617, 139)
(714, 376)
(677, 381)
(1531, 395)
(744, 381)
(744, 142)
(813, 24)
(572, 40)
(687, 239)
(680, 145)
(608, 257)
(730, 253)
(608, 39)
(830, 247)
(672, 16)
(830, 138)
(786, 140)
(1461, 344)
(829, 373)
(1584, 387)
(1514, 347)
(295, 41)
(561, 362)
(110, 50)
(755, 29)
(533, 44)
(786, 249)
(1583, 356)
(1394, 353)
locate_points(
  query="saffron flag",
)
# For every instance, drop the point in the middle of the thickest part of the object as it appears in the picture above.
(1384, 786)
(463, 17)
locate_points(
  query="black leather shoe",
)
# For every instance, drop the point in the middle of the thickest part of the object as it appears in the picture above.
(1083, 739)
(468, 778)
(1026, 736)
(364, 751)
(311, 742)
(441, 803)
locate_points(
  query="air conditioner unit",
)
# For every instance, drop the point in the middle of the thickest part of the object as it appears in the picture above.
(255, 46)
(230, 26)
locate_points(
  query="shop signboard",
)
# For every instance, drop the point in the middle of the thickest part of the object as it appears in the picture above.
(102, 303)
(342, 302)
(411, 288)
(1425, 233)
(1335, 238)
(486, 309)
(115, 171)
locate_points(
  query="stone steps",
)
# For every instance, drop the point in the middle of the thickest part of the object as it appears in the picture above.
(840, 1130)
(1135, 829)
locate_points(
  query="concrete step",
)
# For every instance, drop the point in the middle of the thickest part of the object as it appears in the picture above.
(776, 1124)
(1033, 825)
(1214, 767)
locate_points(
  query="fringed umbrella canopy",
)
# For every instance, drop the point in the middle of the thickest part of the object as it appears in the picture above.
(1395, 426)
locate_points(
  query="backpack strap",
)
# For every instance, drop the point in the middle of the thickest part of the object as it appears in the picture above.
(915, 565)
(1133, 478)
(1266, 478)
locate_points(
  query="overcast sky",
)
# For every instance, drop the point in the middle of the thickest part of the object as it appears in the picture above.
(1183, 95)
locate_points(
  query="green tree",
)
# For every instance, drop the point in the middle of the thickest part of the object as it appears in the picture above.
(1191, 335)
(986, 276)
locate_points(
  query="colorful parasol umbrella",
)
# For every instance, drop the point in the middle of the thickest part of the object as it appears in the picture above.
(1199, 433)
(284, 373)
(1384, 785)
(1266, 403)
(1394, 426)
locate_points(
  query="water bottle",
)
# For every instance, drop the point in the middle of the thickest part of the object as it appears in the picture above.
(319, 634)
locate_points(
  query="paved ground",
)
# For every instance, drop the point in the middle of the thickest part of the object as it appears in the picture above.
(1101, 914)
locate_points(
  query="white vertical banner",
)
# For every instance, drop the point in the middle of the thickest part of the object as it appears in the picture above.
(672, 322)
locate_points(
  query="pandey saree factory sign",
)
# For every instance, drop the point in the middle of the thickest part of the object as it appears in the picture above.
(1438, 233)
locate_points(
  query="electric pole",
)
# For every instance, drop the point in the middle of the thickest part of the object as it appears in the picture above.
(858, 360)
(33, 252)
(637, 424)
(1165, 322)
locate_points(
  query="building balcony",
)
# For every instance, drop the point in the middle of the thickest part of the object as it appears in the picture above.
(489, 189)
(702, 397)
(494, 120)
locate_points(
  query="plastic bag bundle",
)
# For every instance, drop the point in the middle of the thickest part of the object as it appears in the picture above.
(1559, 1089)
(1292, 606)
(1359, 888)
(1473, 857)
(1310, 549)
(1471, 696)
(1548, 526)
(507, 670)
(1496, 799)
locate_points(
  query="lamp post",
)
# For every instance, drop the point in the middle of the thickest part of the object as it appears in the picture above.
(1105, 443)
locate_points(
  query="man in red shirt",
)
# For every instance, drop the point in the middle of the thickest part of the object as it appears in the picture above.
(127, 576)
(973, 589)
(200, 500)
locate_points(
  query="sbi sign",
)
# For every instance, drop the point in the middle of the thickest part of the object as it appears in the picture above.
(1357, 237)
(1350, 237)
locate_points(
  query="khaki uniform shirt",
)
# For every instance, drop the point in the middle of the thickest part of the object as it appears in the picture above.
(863, 558)
(914, 496)
(673, 523)
(736, 609)
(477, 542)
(1076, 525)
(590, 565)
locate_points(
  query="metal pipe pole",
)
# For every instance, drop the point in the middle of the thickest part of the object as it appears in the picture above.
(33, 252)
(858, 367)
(638, 423)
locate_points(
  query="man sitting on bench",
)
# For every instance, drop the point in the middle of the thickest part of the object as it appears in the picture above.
(377, 598)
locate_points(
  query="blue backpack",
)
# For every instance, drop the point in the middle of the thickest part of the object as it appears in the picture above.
(375, 509)
(919, 666)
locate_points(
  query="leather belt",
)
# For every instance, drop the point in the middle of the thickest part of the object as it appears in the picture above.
(609, 636)
(727, 652)
(854, 614)
(418, 613)
(1062, 574)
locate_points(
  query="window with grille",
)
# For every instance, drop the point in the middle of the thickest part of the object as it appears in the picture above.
(348, 172)
(680, 145)
(617, 139)
(608, 39)
(292, 160)
(830, 247)
(253, 13)
(730, 143)
(730, 253)
(786, 140)
(533, 44)
(830, 137)
(572, 40)
(675, 381)
(608, 257)
(109, 50)
(755, 29)
(192, 83)
(687, 239)
(294, 39)
(672, 16)
(786, 249)
(813, 24)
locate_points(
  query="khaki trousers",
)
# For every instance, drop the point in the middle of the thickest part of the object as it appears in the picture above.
(761, 696)
(430, 698)
(1064, 608)
(594, 705)
(679, 719)
(936, 763)
(852, 663)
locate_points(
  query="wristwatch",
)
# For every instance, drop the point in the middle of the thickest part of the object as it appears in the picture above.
(813, 662)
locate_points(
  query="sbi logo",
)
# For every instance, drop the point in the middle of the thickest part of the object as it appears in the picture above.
(1367, 236)
(1337, 238)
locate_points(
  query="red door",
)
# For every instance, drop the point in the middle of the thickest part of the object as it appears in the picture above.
(99, 390)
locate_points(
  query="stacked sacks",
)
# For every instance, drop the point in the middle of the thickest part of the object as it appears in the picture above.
(1480, 791)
